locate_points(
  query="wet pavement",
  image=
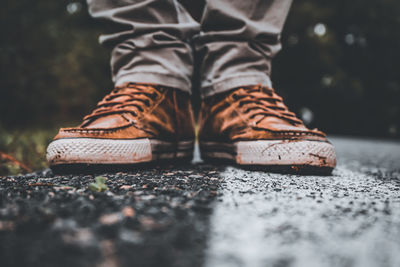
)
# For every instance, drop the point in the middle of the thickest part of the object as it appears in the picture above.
(206, 215)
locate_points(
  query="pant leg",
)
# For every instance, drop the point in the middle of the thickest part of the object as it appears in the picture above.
(238, 40)
(150, 41)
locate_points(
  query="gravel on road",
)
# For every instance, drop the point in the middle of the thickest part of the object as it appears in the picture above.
(208, 215)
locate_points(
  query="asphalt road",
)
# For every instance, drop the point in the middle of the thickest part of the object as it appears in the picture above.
(209, 215)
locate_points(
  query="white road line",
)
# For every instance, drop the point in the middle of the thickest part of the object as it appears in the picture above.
(263, 219)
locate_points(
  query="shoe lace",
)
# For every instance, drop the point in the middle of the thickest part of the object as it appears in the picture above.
(129, 98)
(259, 102)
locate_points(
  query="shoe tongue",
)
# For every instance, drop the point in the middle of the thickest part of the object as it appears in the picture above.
(278, 124)
(108, 121)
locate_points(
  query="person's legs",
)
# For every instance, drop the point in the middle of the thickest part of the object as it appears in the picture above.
(242, 118)
(238, 40)
(150, 43)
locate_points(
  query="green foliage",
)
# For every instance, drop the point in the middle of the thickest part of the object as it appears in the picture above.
(99, 185)
(26, 146)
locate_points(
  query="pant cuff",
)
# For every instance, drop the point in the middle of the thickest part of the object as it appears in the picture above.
(229, 83)
(155, 78)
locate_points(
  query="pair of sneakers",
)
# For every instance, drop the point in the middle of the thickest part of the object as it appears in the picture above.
(139, 123)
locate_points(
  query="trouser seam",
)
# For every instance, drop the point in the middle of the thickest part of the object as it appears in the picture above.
(234, 81)
(150, 72)
(179, 83)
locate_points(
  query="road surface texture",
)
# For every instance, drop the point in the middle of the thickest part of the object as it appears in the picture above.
(209, 215)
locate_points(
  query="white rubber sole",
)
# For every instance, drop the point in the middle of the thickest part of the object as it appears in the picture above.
(273, 152)
(108, 151)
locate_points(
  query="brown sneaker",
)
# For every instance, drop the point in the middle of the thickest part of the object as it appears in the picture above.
(134, 123)
(252, 126)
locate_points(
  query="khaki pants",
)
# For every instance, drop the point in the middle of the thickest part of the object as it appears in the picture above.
(156, 41)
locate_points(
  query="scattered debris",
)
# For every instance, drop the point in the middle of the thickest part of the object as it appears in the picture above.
(99, 185)
(125, 187)
(109, 219)
(128, 212)
(41, 184)
(7, 157)
(6, 226)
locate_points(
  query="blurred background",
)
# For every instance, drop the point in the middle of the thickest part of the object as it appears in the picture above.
(339, 70)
